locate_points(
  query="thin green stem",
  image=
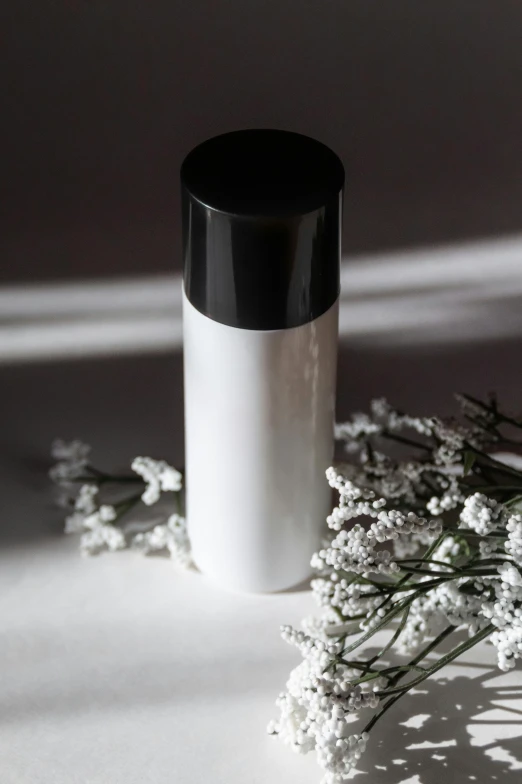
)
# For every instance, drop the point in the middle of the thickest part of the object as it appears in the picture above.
(404, 440)
(126, 504)
(503, 417)
(465, 533)
(371, 676)
(394, 639)
(408, 573)
(433, 644)
(442, 662)
(123, 479)
(448, 657)
(463, 572)
(428, 560)
(370, 633)
(495, 488)
(436, 581)
(434, 545)
(101, 478)
(418, 590)
(498, 466)
(358, 578)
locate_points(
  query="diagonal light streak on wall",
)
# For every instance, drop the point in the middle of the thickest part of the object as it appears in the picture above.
(460, 293)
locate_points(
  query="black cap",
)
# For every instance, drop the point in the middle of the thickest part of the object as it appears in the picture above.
(261, 215)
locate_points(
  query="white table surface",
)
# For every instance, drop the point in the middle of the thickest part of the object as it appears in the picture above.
(122, 670)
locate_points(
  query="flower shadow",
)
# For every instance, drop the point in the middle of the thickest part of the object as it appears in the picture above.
(466, 728)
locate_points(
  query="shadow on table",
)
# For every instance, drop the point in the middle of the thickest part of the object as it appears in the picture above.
(122, 406)
(461, 729)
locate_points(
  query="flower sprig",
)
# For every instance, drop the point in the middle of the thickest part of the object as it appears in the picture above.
(106, 523)
(425, 542)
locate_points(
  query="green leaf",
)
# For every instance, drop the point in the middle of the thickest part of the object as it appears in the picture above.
(469, 459)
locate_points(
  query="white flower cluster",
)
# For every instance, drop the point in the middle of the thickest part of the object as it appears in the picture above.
(386, 478)
(450, 498)
(391, 524)
(354, 551)
(482, 514)
(171, 536)
(382, 418)
(322, 626)
(446, 603)
(406, 546)
(394, 421)
(488, 548)
(443, 605)
(354, 501)
(94, 523)
(422, 622)
(460, 584)
(447, 552)
(319, 706)
(351, 598)
(473, 409)
(72, 460)
(320, 652)
(158, 475)
(360, 425)
(514, 541)
(407, 480)
(100, 534)
(451, 440)
(505, 613)
(84, 505)
(430, 613)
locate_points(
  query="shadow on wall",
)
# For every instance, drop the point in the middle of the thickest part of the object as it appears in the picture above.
(103, 100)
(455, 295)
(415, 327)
(423, 380)
(132, 405)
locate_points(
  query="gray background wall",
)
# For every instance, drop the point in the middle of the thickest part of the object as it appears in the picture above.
(101, 99)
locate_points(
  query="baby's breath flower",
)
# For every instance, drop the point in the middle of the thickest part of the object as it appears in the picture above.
(451, 498)
(101, 537)
(104, 514)
(72, 459)
(84, 506)
(99, 534)
(317, 709)
(354, 551)
(406, 546)
(482, 514)
(158, 475)
(505, 613)
(74, 451)
(514, 541)
(171, 536)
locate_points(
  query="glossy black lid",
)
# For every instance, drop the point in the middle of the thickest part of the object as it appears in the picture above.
(261, 228)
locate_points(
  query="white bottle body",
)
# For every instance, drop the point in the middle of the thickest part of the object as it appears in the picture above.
(259, 417)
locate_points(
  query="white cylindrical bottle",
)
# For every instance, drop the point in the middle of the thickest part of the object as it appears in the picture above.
(261, 242)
